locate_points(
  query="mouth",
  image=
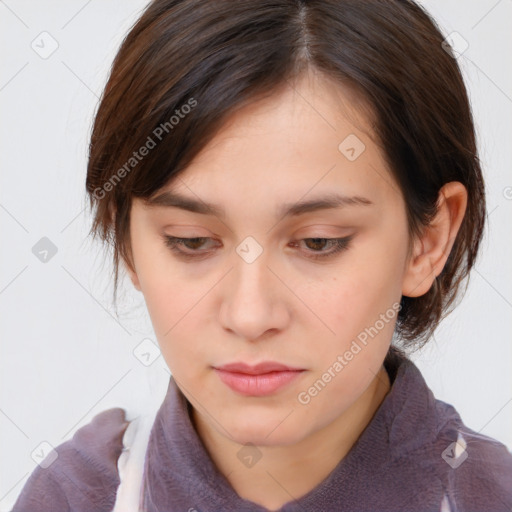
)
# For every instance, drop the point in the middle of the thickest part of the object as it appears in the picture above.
(260, 380)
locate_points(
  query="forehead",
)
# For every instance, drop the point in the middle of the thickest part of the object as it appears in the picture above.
(308, 140)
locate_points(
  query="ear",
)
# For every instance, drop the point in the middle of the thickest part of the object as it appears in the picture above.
(431, 250)
(132, 273)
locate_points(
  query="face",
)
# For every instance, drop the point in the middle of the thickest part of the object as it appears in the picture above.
(315, 289)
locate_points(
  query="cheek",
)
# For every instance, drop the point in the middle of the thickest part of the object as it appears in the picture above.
(359, 309)
(359, 304)
(170, 301)
(176, 296)
(166, 292)
(173, 311)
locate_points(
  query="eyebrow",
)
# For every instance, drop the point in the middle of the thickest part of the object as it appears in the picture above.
(325, 202)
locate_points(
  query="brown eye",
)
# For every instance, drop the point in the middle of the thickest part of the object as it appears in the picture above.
(191, 244)
(316, 245)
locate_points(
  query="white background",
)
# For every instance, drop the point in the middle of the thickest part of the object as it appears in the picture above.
(65, 356)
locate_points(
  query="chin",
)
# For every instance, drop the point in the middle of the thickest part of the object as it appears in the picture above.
(266, 433)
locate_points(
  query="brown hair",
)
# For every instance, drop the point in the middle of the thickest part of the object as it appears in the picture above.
(188, 64)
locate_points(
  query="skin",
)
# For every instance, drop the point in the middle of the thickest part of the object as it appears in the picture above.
(285, 306)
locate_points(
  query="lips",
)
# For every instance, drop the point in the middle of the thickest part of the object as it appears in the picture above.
(258, 369)
(258, 380)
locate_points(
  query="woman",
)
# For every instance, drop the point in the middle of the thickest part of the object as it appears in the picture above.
(295, 189)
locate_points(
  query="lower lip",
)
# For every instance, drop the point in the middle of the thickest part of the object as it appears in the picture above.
(257, 385)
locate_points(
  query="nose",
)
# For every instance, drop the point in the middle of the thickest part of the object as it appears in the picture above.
(254, 300)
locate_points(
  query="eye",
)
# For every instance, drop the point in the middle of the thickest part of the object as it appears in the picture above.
(337, 245)
(193, 244)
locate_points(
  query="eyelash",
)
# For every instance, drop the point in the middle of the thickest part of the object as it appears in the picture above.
(339, 244)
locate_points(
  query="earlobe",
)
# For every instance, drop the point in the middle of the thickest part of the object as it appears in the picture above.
(430, 251)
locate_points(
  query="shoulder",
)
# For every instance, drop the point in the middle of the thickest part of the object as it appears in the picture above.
(83, 474)
(442, 460)
(475, 470)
